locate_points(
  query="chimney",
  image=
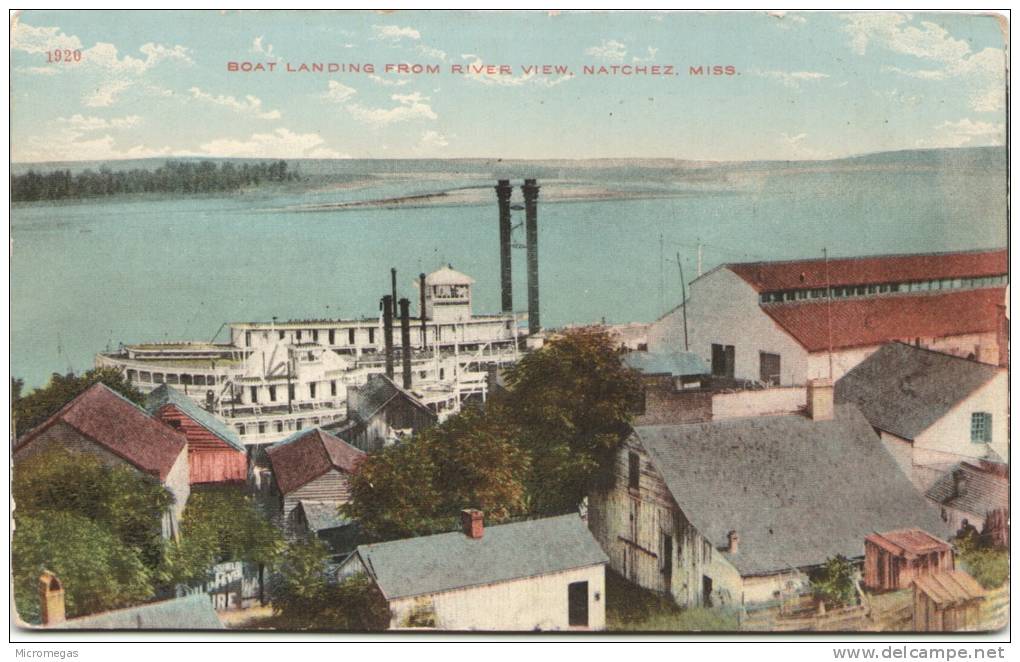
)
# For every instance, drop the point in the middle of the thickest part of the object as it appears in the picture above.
(421, 311)
(387, 306)
(393, 285)
(51, 598)
(732, 542)
(819, 399)
(503, 191)
(530, 189)
(959, 483)
(471, 523)
(405, 339)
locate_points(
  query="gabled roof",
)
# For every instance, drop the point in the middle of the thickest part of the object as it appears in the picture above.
(448, 276)
(985, 491)
(193, 612)
(118, 425)
(168, 395)
(376, 393)
(448, 561)
(796, 491)
(868, 270)
(306, 455)
(323, 515)
(677, 364)
(950, 588)
(904, 389)
(875, 320)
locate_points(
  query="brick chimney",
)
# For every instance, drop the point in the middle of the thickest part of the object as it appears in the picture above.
(819, 399)
(471, 523)
(51, 598)
(733, 542)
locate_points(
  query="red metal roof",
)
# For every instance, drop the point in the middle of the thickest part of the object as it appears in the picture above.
(911, 542)
(304, 457)
(121, 427)
(804, 274)
(877, 320)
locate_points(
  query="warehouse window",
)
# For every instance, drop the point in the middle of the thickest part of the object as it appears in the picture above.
(981, 427)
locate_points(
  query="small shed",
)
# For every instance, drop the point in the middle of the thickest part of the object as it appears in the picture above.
(894, 559)
(947, 602)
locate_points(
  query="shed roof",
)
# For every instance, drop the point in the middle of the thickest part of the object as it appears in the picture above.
(985, 491)
(376, 393)
(193, 612)
(448, 561)
(323, 515)
(872, 269)
(908, 542)
(306, 455)
(168, 395)
(797, 491)
(950, 588)
(677, 364)
(448, 276)
(119, 426)
(876, 320)
(904, 389)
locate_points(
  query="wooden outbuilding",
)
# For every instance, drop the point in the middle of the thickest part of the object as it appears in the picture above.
(947, 602)
(894, 559)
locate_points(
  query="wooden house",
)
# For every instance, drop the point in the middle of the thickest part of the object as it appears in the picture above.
(106, 425)
(312, 465)
(894, 559)
(323, 520)
(947, 602)
(215, 453)
(739, 511)
(380, 411)
(975, 494)
(544, 574)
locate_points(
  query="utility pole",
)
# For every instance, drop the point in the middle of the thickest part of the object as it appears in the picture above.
(683, 301)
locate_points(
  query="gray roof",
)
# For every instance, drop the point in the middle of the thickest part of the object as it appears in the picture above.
(448, 561)
(376, 393)
(903, 389)
(984, 492)
(193, 612)
(678, 364)
(323, 515)
(167, 394)
(797, 491)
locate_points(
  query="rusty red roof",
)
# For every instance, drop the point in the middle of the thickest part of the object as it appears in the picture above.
(805, 274)
(303, 457)
(877, 320)
(950, 588)
(908, 542)
(121, 427)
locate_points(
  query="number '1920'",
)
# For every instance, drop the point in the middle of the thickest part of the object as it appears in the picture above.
(63, 55)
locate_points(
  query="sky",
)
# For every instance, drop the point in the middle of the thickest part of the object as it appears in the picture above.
(806, 85)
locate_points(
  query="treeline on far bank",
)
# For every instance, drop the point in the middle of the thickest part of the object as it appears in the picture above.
(172, 177)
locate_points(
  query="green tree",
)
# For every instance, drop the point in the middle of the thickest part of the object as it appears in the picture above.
(305, 597)
(40, 404)
(571, 404)
(833, 583)
(98, 572)
(124, 502)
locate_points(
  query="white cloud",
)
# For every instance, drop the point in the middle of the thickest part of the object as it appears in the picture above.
(260, 47)
(966, 133)
(105, 94)
(795, 147)
(395, 32)
(428, 51)
(432, 140)
(31, 39)
(279, 144)
(91, 123)
(609, 49)
(409, 107)
(250, 105)
(786, 20)
(399, 82)
(791, 78)
(982, 74)
(68, 142)
(41, 71)
(337, 92)
(650, 57)
(478, 73)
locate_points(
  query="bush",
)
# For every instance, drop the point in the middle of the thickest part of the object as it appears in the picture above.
(990, 566)
(834, 583)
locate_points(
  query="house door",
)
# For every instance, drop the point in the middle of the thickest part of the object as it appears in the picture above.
(577, 604)
(706, 591)
(723, 360)
(769, 368)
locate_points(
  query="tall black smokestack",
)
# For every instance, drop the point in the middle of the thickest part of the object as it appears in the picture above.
(405, 339)
(503, 190)
(393, 283)
(421, 311)
(387, 306)
(530, 189)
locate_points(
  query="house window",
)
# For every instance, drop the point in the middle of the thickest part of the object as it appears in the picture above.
(272, 394)
(769, 368)
(981, 427)
(577, 604)
(723, 360)
(633, 470)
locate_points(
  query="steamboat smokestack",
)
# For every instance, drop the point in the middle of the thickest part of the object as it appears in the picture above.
(387, 308)
(530, 189)
(503, 190)
(421, 311)
(405, 340)
(393, 285)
